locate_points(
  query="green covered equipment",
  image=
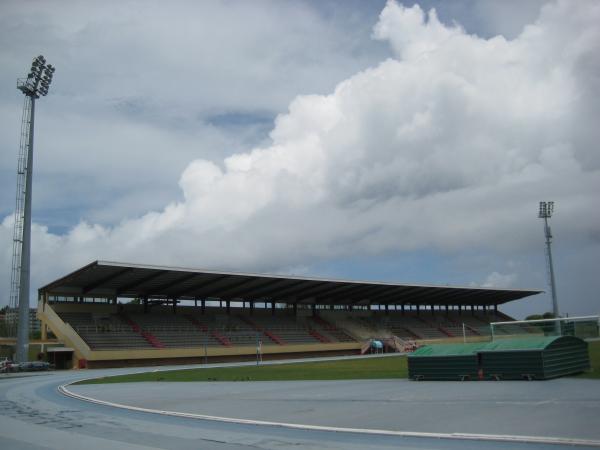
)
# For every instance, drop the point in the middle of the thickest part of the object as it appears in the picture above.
(505, 359)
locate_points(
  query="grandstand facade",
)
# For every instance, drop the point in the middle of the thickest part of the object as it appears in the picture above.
(114, 314)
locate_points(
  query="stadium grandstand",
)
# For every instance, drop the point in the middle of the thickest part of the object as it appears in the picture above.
(111, 314)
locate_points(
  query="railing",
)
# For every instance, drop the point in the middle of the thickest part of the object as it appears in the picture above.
(183, 328)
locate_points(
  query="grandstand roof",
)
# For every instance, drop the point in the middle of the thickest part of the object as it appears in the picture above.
(113, 279)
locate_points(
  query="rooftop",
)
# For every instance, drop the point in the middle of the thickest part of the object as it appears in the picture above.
(114, 279)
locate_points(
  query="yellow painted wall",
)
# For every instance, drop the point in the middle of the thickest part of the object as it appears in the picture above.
(64, 332)
(107, 355)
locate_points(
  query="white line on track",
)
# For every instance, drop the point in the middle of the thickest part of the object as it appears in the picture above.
(415, 434)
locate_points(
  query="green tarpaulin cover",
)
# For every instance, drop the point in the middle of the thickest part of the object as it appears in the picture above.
(532, 343)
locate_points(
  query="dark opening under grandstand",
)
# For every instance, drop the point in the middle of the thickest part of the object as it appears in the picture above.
(118, 312)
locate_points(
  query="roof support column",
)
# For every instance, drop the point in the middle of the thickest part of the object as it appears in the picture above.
(387, 309)
(227, 306)
(44, 330)
(295, 309)
(496, 309)
(432, 310)
(460, 310)
(273, 308)
(251, 307)
(472, 310)
(145, 303)
(331, 307)
(314, 309)
(447, 310)
(174, 305)
(402, 309)
(202, 306)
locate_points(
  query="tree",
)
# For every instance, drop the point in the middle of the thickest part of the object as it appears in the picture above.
(546, 315)
(534, 317)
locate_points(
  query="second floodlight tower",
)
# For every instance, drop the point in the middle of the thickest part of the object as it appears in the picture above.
(34, 86)
(546, 210)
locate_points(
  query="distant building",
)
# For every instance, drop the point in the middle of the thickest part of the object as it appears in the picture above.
(34, 323)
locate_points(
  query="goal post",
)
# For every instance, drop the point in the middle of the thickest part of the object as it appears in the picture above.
(584, 327)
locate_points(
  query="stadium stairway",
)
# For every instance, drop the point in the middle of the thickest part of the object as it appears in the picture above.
(329, 330)
(323, 323)
(276, 339)
(314, 333)
(199, 325)
(214, 333)
(152, 340)
(222, 339)
(366, 347)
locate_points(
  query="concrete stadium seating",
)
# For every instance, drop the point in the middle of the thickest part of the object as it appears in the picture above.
(104, 332)
(190, 328)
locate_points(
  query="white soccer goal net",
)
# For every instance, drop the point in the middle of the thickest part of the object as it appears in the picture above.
(583, 327)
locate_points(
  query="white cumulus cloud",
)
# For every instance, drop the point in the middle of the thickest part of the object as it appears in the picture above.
(500, 280)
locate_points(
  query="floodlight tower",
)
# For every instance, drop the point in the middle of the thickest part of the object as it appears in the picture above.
(546, 210)
(34, 86)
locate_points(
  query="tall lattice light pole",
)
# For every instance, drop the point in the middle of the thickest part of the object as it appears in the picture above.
(546, 210)
(34, 86)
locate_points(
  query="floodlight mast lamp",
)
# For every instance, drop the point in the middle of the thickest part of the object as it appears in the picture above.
(546, 210)
(36, 85)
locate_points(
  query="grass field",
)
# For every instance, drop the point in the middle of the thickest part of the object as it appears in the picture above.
(353, 369)
(594, 348)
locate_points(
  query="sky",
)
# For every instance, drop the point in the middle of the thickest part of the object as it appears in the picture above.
(360, 140)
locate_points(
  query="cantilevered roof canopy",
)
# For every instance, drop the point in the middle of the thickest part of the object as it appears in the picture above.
(112, 279)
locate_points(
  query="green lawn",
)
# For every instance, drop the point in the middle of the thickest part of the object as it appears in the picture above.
(594, 349)
(353, 369)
